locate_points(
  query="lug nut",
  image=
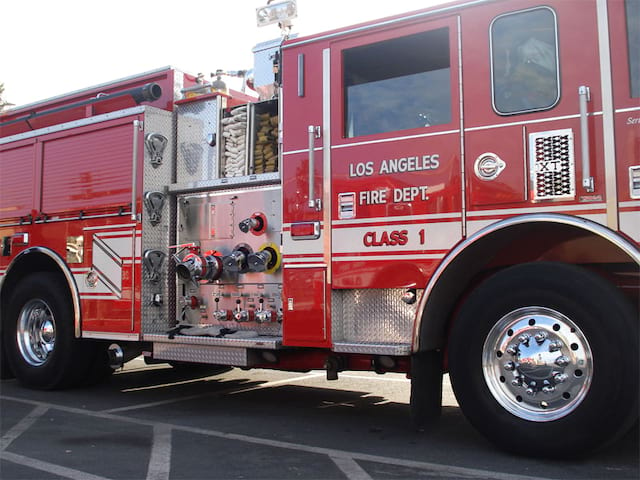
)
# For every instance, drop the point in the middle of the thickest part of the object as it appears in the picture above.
(555, 345)
(560, 377)
(548, 389)
(530, 391)
(510, 366)
(512, 349)
(562, 361)
(541, 337)
(524, 338)
(516, 382)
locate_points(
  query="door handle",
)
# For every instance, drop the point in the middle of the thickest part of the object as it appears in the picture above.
(584, 95)
(314, 132)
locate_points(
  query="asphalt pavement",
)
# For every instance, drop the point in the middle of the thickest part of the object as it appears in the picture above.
(158, 423)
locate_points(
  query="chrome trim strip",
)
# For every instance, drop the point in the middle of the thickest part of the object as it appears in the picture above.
(134, 172)
(327, 206)
(463, 183)
(395, 139)
(131, 337)
(75, 295)
(76, 123)
(608, 121)
(625, 110)
(627, 247)
(529, 122)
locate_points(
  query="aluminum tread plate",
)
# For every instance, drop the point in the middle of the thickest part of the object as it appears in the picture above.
(394, 349)
(181, 352)
(265, 342)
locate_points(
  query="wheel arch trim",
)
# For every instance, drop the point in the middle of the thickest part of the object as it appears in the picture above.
(63, 268)
(444, 267)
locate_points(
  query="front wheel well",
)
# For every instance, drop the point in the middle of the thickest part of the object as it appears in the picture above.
(515, 241)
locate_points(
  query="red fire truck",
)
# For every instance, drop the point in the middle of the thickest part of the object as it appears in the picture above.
(449, 190)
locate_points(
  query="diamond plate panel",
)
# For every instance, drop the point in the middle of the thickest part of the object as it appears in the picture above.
(394, 349)
(196, 159)
(157, 235)
(552, 165)
(201, 354)
(372, 316)
(259, 342)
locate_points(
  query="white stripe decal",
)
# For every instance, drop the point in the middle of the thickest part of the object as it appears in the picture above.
(391, 256)
(545, 209)
(528, 122)
(403, 218)
(416, 237)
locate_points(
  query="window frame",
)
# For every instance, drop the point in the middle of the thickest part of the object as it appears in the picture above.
(557, 57)
(339, 125)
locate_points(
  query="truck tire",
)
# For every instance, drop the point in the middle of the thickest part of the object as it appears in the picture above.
(39, 340)
(543, 359)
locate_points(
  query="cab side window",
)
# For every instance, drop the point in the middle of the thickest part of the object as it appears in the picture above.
(524, 66)
(397, 84)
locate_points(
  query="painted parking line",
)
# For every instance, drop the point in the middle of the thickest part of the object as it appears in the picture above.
(347, 456)
(351, 469)
(22, 426)
(160, 459)
(65, 472)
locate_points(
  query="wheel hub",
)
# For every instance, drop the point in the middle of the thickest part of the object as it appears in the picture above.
(537, 364)
(36, 332)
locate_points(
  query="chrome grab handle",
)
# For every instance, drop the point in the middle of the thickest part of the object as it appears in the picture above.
(314, 132)
(134, 173)
(587, 180)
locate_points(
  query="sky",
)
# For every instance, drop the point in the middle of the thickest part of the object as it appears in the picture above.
(51, 47)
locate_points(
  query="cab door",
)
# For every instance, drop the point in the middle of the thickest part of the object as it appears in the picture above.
(533, 111)
(395, 153)
(305, 247)
(624, 32)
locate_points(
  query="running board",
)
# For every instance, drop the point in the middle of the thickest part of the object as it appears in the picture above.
(220, 351)
(391, 349)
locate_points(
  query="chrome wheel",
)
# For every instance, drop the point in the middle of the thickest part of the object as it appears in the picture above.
(36, 332)
(537, 364)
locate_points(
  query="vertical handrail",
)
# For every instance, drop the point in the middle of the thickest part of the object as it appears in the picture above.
(584, 95)
(134, 173)
(312, 136)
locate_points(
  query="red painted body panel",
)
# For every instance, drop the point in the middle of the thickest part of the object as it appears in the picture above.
(18, 167)
(307, 316)
(88, 169)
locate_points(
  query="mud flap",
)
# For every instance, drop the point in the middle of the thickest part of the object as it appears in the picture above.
(426, 388)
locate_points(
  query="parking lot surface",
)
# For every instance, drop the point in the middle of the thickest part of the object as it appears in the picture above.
(159, 423)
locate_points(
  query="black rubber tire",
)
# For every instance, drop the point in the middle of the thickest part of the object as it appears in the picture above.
(5, 370)
(69, 361)
(609, 323)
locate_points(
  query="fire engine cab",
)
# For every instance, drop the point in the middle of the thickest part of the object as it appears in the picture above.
(452, 190)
